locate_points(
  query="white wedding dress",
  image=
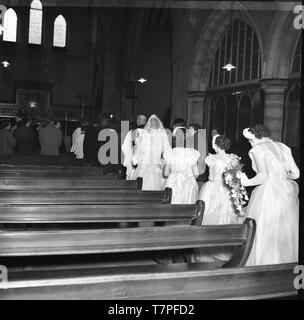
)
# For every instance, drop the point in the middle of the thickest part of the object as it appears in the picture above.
(275, 206)
(181, 179)
(150, 147)
(219, 208)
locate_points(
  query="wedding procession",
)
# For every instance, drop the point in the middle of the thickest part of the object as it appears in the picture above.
(274, 202)
(150, 150)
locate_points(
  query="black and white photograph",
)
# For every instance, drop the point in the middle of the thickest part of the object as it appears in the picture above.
(150, 150)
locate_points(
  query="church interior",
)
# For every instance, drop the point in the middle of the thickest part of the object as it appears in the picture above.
(70, 231)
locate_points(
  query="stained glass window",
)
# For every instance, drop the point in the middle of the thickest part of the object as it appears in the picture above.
(60, 27)
(10, 26)
(35, 31)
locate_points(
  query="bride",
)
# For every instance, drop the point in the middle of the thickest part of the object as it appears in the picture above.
(274, 203)
(150, 147)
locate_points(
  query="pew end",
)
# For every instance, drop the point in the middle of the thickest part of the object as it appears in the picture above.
(241, 253)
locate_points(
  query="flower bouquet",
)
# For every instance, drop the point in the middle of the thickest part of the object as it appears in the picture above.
(237, 191)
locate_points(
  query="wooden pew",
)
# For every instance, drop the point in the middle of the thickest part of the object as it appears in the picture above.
(69, 183)
(59, 172)
(40, 160)
(184, 282)
(48, 172)
(61, 214)
(103, 241)
(86, 196)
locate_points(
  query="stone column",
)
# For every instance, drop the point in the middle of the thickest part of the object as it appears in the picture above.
(274, 92)
(196, 107)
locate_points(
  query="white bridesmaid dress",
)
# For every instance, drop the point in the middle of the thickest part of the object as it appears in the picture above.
(181, 179)
(275, 207)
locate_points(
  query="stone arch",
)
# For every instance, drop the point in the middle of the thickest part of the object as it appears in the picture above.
(209, 39)
(278, 54)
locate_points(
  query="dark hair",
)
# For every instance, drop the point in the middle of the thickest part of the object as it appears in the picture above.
(23, 122)
(260, 131)
(223, 142)
(184, 130)
(178, 122)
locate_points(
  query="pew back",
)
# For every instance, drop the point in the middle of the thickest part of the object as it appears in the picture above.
(70, 182)
(76, 242)
(185, 282)
(84, 196)
(41, 214)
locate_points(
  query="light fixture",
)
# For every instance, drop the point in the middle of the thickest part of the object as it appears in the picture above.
(229, 67)
(32, 104)
(5, 64)
(142, 80)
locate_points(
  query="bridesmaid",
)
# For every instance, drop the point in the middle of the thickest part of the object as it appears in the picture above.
(182, 170)
(274, 202)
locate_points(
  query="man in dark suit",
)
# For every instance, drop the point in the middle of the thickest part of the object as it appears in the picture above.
(50, 139)
(24, 138)
(7, 140)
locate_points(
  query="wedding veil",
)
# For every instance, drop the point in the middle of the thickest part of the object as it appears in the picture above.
(152, 143)
(154, 123)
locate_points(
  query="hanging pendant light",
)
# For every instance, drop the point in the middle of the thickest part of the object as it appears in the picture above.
(142, 80)
(229, 66)
(5, 64)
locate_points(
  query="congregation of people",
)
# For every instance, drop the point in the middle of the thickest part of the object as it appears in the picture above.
(27, 136)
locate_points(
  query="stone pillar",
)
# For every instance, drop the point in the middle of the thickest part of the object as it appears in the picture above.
(274, 92)
(196, 107)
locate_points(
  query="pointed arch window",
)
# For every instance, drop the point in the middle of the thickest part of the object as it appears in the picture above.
(35, 29)
(240, 47)
(10, 25)
(60, 30)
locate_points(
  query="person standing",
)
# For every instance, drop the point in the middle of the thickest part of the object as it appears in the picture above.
(128, 146)
(182, 170)
(24, 136)
(274, 203)
(50, 139)
(151, 146)
(7, 140)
